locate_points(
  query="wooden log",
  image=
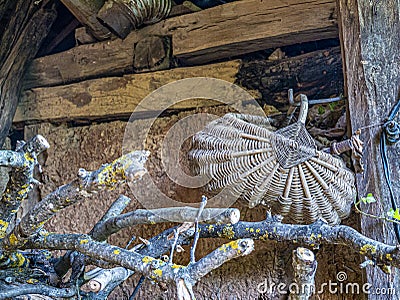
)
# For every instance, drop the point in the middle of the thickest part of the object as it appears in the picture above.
(246, 26)
(317, 74)
(111, 97)
(20, 42)
(100, 60)
(370, 35)
(221, 32)
(86, 11)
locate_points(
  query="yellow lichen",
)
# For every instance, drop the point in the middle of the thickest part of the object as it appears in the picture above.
(147, 259)
(223, 248)
(28, 157)
(116, 251)
(3, 228)
(228, 232)
(251, 229)
(20, 259)
(13, 239)
(158, 272)
(234, 244)
(264, 237)
(32, 280)
(85, 241)
(111, 174)
(258, 230)
(210, 228)
(389, 257)
(367, 248)
(174, 266)
(386, 269)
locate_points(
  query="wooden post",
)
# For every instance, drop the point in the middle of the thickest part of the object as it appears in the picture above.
(27, 27)
(370, 36)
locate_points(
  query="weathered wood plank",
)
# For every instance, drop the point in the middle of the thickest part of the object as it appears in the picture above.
(221, 32)
(246, 26)
(99, 60)
(112, 96)
(370, 34)
(317, 74)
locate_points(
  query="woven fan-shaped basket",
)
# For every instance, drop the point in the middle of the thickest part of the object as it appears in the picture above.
(281, 169)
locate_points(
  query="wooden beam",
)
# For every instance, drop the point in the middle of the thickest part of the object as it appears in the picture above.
(246, 26)
(370, 35)
(221, 32)
(111, 97)
(25, 31)
(86, 11)
(99, 60)
(317, 74)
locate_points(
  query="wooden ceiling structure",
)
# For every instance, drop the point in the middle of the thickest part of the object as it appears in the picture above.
(56, 86)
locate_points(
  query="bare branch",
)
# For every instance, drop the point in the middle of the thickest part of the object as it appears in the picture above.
(115, 210)
(127, 167)
(162, 215)
(304, 268)
(40, 289)
(313, 235)
(23, 162)
(155, 269)
(64, 262)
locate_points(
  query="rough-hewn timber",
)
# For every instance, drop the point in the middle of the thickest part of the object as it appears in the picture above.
(100, 60)
(19, 43)
(112, 97)
(86, 11)
(370, 39)
(317, 74)
(221, 32)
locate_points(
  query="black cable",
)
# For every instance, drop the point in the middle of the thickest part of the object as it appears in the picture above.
(390, 134)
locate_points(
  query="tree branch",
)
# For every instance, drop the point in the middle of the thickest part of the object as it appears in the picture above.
(23, 162)
(41, 289)
(313, 235)
(304, 268)
(126, 168)
(162, 215)
(155, 269)
(272, 229)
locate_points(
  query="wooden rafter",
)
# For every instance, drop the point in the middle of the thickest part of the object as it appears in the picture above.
(221, 32)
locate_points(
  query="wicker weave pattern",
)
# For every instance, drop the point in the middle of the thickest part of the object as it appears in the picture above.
(279, 169)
